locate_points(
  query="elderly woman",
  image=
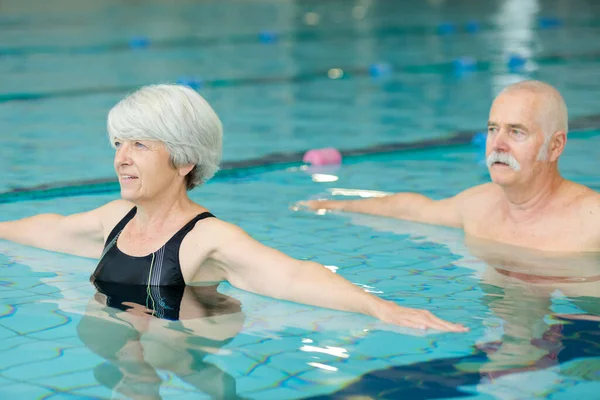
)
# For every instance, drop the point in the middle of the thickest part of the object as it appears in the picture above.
(168, 140)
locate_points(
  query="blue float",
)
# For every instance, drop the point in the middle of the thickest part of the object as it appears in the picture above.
(516, 62)
(446, 28)
(139, 42)
(190, 81)
(380, 69)
(464, 65)
(479, 141)
(268, 37)
(549, 22)
(473, 26)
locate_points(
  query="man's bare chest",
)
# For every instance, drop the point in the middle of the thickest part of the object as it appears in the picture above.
(545, 232)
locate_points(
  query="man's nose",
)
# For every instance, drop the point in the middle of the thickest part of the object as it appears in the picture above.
(498, 141)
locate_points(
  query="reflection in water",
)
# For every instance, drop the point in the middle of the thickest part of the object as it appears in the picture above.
(544, 315)
(140, 333)
(520, 286)
(447, 378)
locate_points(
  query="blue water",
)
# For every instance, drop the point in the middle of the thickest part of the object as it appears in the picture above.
(73, 62)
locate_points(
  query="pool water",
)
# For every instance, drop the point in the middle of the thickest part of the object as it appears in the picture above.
(54, 328)
(533, 317)
(274, 97)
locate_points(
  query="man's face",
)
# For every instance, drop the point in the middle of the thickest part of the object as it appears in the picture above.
(514, 139)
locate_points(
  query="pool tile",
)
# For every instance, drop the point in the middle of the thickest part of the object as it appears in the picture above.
(5, 382)
(172, 392)
(262, 377)
(473, 294)
(236, 363)
(291, 363)
(23, 391)
(277, 394)
(387, 344)
(6, 333)
(64, 337)
(406, 359)
(68, 382)
(71, 396)
(24, 282)
(11, 293)
(273, 346)
(376, 276)
(36, 318)
(49, 363)
(29, 354)
(435, 264)
(98, 391)
(242, 340)
(357, 367)
(14, 342)
(267, 373)
(325, 378)
(579, 390)
(298, 384)
(186, 395)
(21, 298)
(248, 384)
(482, 396)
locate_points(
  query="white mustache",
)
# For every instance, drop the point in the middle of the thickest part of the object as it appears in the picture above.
(504, 158)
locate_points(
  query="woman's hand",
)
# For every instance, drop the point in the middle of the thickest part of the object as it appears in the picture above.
(392, 313)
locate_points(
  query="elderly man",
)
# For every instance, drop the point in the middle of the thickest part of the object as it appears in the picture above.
(528, 203)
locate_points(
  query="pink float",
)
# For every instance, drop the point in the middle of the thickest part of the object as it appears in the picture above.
(326, 156)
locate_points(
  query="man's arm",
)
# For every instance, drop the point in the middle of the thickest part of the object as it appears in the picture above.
(408, 206)
(78, 234)
(411, 206)
(256, 268)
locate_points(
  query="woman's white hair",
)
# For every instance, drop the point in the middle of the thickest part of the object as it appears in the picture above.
(178, 117)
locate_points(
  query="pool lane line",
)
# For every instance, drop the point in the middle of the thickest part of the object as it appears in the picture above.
(579, 127)
(446, 29)
(322, 74)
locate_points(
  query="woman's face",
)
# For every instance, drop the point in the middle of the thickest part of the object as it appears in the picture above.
(144, 169)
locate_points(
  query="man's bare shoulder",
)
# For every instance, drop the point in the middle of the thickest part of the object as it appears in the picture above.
(481, 194)
(586, 200)
(475, 201)
(582, 207)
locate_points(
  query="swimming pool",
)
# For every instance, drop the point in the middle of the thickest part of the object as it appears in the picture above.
(61, 72)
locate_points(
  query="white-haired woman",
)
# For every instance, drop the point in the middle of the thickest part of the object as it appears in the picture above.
(168, 140)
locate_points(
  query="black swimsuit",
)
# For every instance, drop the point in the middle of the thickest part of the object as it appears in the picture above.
(154, 281)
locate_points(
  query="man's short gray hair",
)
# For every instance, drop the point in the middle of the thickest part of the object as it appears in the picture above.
(178, 117)
(553, 114)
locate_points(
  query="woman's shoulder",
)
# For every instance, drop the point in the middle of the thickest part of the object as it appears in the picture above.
(111, 213)
(213, 229)
(116, 208)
